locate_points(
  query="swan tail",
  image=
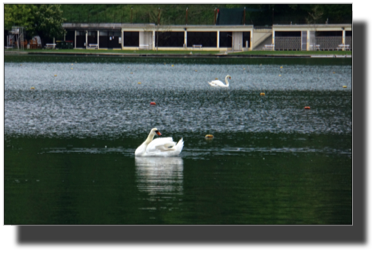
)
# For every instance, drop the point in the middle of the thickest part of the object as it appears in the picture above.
(180, 145)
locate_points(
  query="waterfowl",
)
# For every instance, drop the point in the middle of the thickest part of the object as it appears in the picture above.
(163, 146)
(215, 83)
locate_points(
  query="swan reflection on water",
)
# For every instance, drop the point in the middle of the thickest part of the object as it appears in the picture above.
(159, 175)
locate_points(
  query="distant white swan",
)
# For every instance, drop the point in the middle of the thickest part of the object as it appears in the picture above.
(164, 146)
(216, 83)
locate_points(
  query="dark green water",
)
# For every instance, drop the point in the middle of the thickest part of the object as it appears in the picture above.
(70, 142)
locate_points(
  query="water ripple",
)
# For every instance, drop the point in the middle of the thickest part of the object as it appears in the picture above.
(101, 99)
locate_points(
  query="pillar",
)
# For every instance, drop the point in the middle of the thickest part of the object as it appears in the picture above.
(86, 39)
(218, 39)
(250, 40)
(343, 39)
(74, 46)
(185, 37)
(308, 40)
(273, 39)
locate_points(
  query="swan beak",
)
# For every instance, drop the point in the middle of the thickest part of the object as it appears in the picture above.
(158, 133)
(229, 77)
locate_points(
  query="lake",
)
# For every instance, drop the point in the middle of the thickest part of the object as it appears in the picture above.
(70, 141)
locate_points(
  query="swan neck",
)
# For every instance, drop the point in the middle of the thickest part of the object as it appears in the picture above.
(226, 80)
(149, 138)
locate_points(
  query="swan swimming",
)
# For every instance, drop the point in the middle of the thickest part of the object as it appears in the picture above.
(164, 146)
(220, 83)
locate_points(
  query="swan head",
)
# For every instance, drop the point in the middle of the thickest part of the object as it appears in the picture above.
(155, 131)
(228, 76)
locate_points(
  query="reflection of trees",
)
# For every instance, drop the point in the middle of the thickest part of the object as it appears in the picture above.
(157, 175)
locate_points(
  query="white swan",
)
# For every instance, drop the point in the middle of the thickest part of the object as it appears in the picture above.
(164, 146)
(220, 83)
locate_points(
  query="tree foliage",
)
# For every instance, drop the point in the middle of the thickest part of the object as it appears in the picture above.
(48, 21)
(43, 20)
(204, 13)
(19, 15)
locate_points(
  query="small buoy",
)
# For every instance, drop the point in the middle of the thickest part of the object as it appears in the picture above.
(243, 68)
(281, 67)
(307, 107)
(262, 93)
(55, 75)
(71, 68)
(209, 136)
(172, 66)
(131, 72)
(334, 72)
(139, 83)
(344, 86)
(32, 87)
(195, 70)
(72, 64)
(153, 103)
(279, 74)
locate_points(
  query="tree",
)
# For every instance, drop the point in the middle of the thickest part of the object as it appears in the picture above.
(19, 15)
(315, 15)
(48, 21)
(155, 15)
(43, 20)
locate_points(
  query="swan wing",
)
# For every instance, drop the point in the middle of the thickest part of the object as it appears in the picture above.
(161, 144)
(212, 84)
(216, 83)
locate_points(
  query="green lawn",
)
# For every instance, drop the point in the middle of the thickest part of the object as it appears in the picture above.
(101, 51)
(295, 53)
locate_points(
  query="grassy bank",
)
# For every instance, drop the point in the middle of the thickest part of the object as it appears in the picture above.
(294, 53)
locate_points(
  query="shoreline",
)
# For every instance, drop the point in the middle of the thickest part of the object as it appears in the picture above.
(170, 55)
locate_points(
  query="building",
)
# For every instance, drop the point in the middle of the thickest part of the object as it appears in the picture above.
(312, 36)
(128, 36)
